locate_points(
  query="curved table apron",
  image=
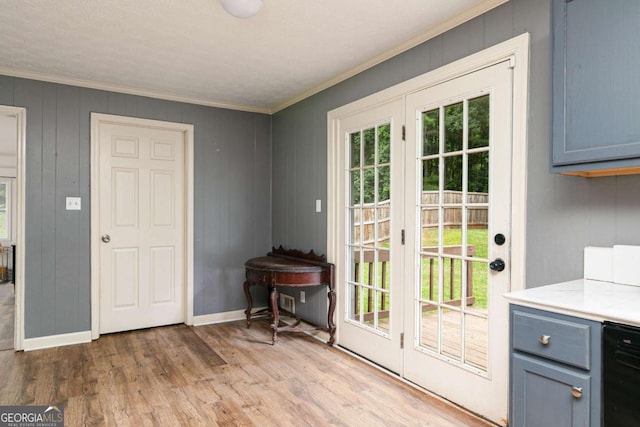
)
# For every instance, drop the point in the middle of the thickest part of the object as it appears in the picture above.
(274, 271)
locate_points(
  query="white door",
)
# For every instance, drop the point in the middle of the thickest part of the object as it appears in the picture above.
(369, 289)
(458, 208)
(142, 227)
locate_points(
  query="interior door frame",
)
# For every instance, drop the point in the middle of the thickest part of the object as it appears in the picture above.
(515, 50)
(20, 198)
(188, 130)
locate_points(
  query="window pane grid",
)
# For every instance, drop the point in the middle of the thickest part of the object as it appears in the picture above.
(369, 216)
(452, 208)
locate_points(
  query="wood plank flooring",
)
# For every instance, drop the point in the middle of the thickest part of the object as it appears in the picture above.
(7, 318)
(216, 375)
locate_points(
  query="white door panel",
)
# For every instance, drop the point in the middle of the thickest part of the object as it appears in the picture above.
(141, 209)
(369, 294)
(458, 198)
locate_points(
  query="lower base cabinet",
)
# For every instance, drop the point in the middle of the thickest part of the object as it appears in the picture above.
(555, 370)
(549, 395)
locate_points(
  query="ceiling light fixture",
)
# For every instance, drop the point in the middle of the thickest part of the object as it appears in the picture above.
(241, 8)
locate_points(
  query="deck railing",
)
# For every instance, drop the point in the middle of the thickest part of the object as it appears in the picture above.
(368, 257)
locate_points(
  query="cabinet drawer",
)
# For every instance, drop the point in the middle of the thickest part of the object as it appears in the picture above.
(554, 338)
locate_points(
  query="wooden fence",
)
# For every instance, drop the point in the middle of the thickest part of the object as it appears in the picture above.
(477, 217)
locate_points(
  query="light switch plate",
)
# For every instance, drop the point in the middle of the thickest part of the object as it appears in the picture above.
(73, 203)
(318, 205)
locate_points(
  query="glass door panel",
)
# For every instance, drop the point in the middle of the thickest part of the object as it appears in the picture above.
(455, 317)
(369, 316)
(453, 213)
(370, 188)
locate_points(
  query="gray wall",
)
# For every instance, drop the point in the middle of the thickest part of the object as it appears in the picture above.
(564, 213)
(232, 197)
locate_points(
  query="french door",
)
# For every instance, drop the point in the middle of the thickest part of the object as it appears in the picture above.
(425, 223)
(458, 208)
(370, 317)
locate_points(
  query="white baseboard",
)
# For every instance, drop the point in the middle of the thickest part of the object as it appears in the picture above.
(85, 336)
(227, 316)
(56, 340)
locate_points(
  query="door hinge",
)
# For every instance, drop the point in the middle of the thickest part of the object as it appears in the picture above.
(404, 133)
(402, 237)
(401, 340)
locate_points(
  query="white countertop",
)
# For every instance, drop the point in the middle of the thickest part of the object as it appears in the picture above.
(589, 299)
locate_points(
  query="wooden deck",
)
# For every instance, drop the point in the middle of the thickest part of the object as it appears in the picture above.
(216, 375)
(476, 336)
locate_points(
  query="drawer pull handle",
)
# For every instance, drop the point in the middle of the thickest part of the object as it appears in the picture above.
(545, 339)
(576, 392)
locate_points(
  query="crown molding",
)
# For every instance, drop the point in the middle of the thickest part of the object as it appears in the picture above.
(51, 78)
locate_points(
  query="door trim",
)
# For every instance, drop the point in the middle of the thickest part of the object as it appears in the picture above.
(188, 131)
(21, 167)
(515, 50)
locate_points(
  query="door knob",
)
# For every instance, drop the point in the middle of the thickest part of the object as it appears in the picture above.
(497, 264)
(106, 238)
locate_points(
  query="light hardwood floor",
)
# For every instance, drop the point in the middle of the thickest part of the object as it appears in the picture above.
(7, 303)
(216, 375)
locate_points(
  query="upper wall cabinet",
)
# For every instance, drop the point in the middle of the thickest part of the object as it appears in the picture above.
(596, 85)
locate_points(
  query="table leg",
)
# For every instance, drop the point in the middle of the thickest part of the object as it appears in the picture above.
(332, 307)
(247, 294)
(273, 302)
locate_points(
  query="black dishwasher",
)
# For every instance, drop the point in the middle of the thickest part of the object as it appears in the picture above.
(621, 375)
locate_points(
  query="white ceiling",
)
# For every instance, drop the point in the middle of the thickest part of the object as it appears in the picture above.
(191, 50)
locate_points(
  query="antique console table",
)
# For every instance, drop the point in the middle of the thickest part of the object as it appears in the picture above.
(290, 268)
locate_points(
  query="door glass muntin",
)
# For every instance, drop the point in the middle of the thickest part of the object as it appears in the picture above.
(369, 215)
(453, 217)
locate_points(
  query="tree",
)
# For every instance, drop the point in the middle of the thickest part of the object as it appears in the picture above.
(478, 136)
(363, 149)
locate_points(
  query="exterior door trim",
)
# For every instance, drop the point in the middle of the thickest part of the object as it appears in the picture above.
(515, 50)
(188, 131)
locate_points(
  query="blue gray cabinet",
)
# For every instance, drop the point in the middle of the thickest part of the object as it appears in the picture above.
(555, 369)
(595, 84)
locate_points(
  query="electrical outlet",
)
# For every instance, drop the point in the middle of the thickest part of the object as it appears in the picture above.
(73, 203)
(302, 296)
